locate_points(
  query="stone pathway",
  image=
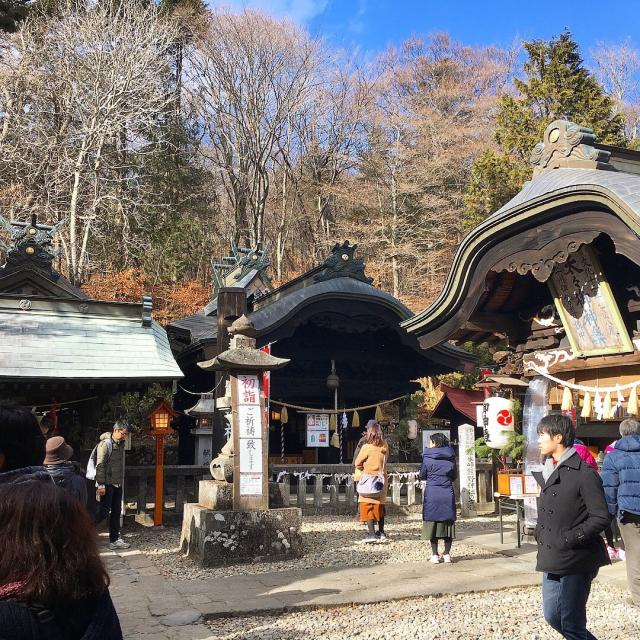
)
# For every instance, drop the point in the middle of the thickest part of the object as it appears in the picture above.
(151, 605)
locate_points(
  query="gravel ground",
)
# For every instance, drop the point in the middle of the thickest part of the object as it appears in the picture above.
(494, 615)
(329, 541)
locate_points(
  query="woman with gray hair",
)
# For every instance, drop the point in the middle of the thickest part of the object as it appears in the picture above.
(621, 480)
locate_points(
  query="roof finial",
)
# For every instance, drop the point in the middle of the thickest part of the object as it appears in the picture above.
(567, 145)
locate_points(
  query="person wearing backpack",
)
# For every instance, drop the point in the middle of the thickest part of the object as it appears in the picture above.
(109, 476)
(372, 487)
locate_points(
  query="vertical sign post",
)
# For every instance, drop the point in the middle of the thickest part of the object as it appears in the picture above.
(250, 474)
(468, 482)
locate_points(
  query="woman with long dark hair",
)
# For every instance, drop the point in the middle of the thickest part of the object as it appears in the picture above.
(371, 461)
(52, 581)
(439, 503)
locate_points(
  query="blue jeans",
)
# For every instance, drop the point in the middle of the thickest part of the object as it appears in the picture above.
(564, 602)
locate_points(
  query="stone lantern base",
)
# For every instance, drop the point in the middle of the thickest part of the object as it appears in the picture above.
(214, 538)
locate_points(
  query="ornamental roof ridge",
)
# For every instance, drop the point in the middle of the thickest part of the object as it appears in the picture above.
(568, 145)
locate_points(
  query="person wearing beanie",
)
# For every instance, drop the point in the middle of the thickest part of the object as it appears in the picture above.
(63, 471)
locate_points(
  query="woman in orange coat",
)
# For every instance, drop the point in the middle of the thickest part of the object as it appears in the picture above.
(372, 460)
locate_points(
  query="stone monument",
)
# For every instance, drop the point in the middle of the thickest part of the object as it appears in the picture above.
(239, 516)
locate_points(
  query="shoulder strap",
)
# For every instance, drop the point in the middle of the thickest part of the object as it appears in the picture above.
(49, 629)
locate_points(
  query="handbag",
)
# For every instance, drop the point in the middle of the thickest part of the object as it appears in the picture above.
(372, 484)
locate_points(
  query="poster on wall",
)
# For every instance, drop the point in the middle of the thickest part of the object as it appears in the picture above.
(317, 430)
(586, 306)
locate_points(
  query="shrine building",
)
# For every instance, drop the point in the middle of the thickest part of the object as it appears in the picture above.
(330, 318)
(552, 281)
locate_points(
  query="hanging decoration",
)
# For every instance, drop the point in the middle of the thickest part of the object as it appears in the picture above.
(282, 443)
(567, 400)
(355, 423)
(607, 412)
(597, 401)
(617, 409)
(335, 440)
(379, 416)
(332, 422)
(586, 406)
(334, 411)
(597, 406)
(632, 406)
(284, 415)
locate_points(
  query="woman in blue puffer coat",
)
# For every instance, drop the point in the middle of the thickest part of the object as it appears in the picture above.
(439, 502)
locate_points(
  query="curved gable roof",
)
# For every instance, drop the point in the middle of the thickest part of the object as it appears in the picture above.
(540, 200)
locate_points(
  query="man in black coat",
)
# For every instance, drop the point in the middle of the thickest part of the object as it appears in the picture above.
(572, 512)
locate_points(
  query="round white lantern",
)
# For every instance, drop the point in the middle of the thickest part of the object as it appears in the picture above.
(497, 421)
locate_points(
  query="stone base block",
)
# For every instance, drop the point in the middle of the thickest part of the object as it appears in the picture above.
(218, 496)
(215, 538)
(215, 495)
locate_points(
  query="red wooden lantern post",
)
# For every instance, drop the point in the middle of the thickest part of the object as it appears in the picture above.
(159, 419)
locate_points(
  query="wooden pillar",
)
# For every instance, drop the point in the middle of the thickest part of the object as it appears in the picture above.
(157, 513)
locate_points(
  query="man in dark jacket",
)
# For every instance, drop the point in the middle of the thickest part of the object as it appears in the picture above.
(572, 513)
(109, 479)
(65, 473)
(621, 479)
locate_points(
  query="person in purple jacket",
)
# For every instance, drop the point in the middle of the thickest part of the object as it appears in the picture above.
(439, 502)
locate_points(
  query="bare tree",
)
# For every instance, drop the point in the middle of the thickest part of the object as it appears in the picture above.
(432, 118)
(249, 75)
(83, 95)
(617, 67)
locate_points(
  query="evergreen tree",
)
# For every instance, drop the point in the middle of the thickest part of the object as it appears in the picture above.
(556, 86)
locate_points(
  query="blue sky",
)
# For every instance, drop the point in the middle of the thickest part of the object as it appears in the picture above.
(371, 25)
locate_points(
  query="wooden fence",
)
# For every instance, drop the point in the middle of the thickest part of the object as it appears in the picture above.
(326, 488)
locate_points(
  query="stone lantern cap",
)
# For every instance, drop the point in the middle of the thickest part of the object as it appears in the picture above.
(204, 407)
(243, 354)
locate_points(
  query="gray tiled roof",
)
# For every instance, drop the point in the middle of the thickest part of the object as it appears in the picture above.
(626, 186)
(82, 339)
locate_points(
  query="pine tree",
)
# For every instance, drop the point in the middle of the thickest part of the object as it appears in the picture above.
(556, 86)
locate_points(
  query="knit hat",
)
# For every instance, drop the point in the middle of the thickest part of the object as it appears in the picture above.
(57, 451)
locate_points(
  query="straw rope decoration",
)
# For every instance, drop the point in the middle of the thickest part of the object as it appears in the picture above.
(595, 400)
(353, 410)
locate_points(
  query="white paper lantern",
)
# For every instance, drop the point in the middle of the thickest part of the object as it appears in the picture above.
(497, 421)
(412, 431)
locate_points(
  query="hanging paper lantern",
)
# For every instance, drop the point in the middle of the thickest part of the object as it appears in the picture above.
(607, 414)
(332, 422)
(379, 415)
(356, 420)
(412, 429)
(567, 400)
(586, 406)
(632, 406)
(499, 420)
(284, 415)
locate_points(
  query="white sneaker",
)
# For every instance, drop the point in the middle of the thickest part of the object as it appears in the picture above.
(446, 558)
(435, 559)
(119, 544)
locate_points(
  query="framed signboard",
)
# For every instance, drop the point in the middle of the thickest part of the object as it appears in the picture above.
(586, 306)
(317, 430)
